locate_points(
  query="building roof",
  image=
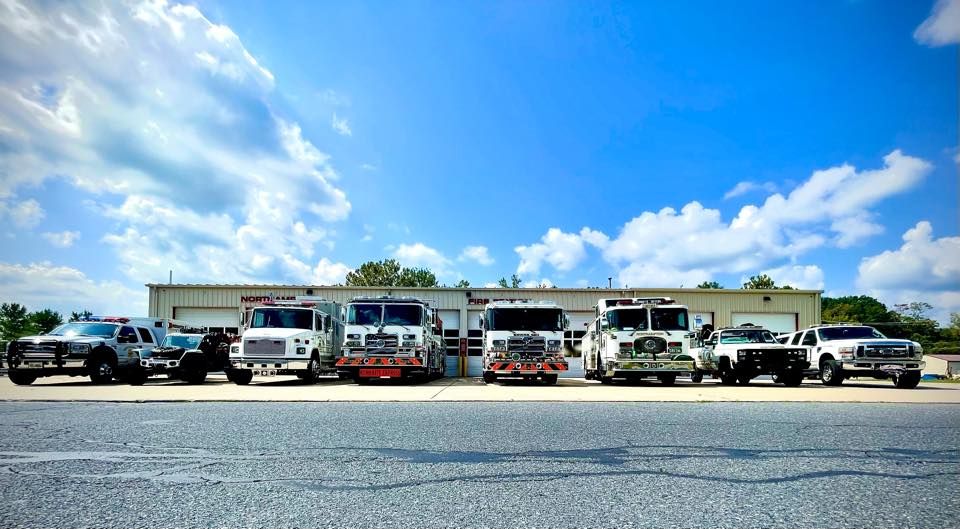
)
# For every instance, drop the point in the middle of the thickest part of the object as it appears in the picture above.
(948, 358)
(614, 292)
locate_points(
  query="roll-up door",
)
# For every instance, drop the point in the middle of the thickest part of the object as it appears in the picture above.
(451, 336)
(572, 340)
(701, 318)
(776, 323)
(474, 344)
(225, 318)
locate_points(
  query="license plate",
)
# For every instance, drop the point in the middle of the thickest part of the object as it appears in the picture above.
(891, 367)
(381, 372)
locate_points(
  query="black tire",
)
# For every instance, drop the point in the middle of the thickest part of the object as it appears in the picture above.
(136, 377)
(101, 368)
(20, 378)
(831, 374)
(668, 379)
(195, 375)
(908, 380)
(551, 379)
(696, 377)
(744, 380)
(489, 377)
(728, 378)
(790, 380)
(312, 373)
(240, 377)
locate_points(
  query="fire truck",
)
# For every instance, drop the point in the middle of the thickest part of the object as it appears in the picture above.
(635, 338)
(523, 340)
(295, 337)
(392, 338)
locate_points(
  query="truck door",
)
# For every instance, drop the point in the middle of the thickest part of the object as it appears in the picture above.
(127, 340)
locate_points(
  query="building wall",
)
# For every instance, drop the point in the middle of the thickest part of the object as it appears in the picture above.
(939, 366)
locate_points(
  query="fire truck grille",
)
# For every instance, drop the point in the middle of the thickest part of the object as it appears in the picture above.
(43, 349)
(529, 346)
(381, 344)
(264, 347)
(886, 351)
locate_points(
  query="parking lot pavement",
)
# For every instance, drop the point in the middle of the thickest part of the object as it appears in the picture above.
(217, 388)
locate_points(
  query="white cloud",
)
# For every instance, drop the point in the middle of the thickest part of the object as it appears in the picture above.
(743, 188)
(421, 255)
(340, 125)
(24, 214)
(922, 269)
(942, 27)
(170, 120)
(44, 285)
(477, 254)
(669, 248)
(808, 277)
(63, 239)
(491, 285)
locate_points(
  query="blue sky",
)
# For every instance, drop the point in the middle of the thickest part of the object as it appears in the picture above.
(288, 143)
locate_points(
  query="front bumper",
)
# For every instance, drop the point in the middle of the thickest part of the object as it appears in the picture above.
(51, 363)
(761, 362)
(876, 365)
(272, 364)
(648, 367)
(525, 367)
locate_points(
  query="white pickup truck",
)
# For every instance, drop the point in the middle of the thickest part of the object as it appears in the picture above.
(738, 354)
(844, 351)
(99, 347)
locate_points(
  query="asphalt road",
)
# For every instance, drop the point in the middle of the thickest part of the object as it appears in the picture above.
(479, 465)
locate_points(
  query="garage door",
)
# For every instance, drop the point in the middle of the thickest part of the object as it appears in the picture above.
(572, 340)
(219, 318)
(451, 335)
(776, 323)
(474, 344)
(701, 318)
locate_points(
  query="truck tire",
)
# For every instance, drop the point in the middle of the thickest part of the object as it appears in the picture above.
(790, 380)
(101, 367)
(668, 379)
(830, 373)
(136, 377)
(551, 379)
(489, 377)
(240, 377)
(20, 378)
(312, 373)
(696, 377)
(908, 380)
(744, 380)
(195, 375)
(728, 378)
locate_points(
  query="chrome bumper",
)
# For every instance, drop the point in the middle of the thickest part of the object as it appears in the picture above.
(269, 363)
(886, 366)
(51, 363)
(649, 366)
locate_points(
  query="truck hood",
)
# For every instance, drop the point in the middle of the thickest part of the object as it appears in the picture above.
(752, 346)
(64, 339)
(267, 332)
(871, 341)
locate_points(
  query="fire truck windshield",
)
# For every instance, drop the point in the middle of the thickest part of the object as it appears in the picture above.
(364, 314)
(403, 315)
(669, 319)
(523, 319)
(627, 319)
(284, 318)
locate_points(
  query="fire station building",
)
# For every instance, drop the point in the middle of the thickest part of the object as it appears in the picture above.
(219, 306)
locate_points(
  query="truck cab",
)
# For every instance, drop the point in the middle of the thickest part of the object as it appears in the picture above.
(842, 351)
(297, 337)
(635, 338)
(523, 340)
(391, 337)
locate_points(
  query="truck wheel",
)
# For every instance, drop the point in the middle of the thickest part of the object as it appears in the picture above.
(489, 377)
(728, 378)
(696, 377)
(550, 379)
(744, 380)
(312, 373)
(20, 378)
(908, 380)
(240, 377)
(831, 374)
(668, 379)
(196, 375)
(101, 368)
(604, 379)
(136, 377)
(790, 380)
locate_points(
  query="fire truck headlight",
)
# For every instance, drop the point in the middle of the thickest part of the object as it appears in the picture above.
(499, 345)
(409, 344)
(301, 350)
(352, 343)
(409, 336)
(234, 349)
(353, 337)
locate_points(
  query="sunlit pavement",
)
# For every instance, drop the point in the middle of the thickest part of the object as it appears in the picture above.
(217, 388)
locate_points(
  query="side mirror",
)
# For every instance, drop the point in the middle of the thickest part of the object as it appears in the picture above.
(481, 322)
(242, 318)
(566, 322)
(604, 324)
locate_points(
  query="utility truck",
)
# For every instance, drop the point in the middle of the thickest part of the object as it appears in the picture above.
(100, 347)
(523, 340)
(392, 337)
(293, 337)
(739, 354)
(635, 338)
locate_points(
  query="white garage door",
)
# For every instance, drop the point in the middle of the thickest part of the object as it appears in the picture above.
(701, 318)
(451, 335)
(474, 344)
(776, 323)
(572, 340)
(208, 317)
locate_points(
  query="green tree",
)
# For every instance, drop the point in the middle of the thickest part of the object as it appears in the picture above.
(709, 284)
(764, 282)
(513, 283)
(417, 277)
(14, 321)
(44, 321)
(74, 316)
(856, 309)
(384, 273)
(463, 283)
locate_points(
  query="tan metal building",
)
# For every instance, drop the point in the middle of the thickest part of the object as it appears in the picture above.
(460, 308)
